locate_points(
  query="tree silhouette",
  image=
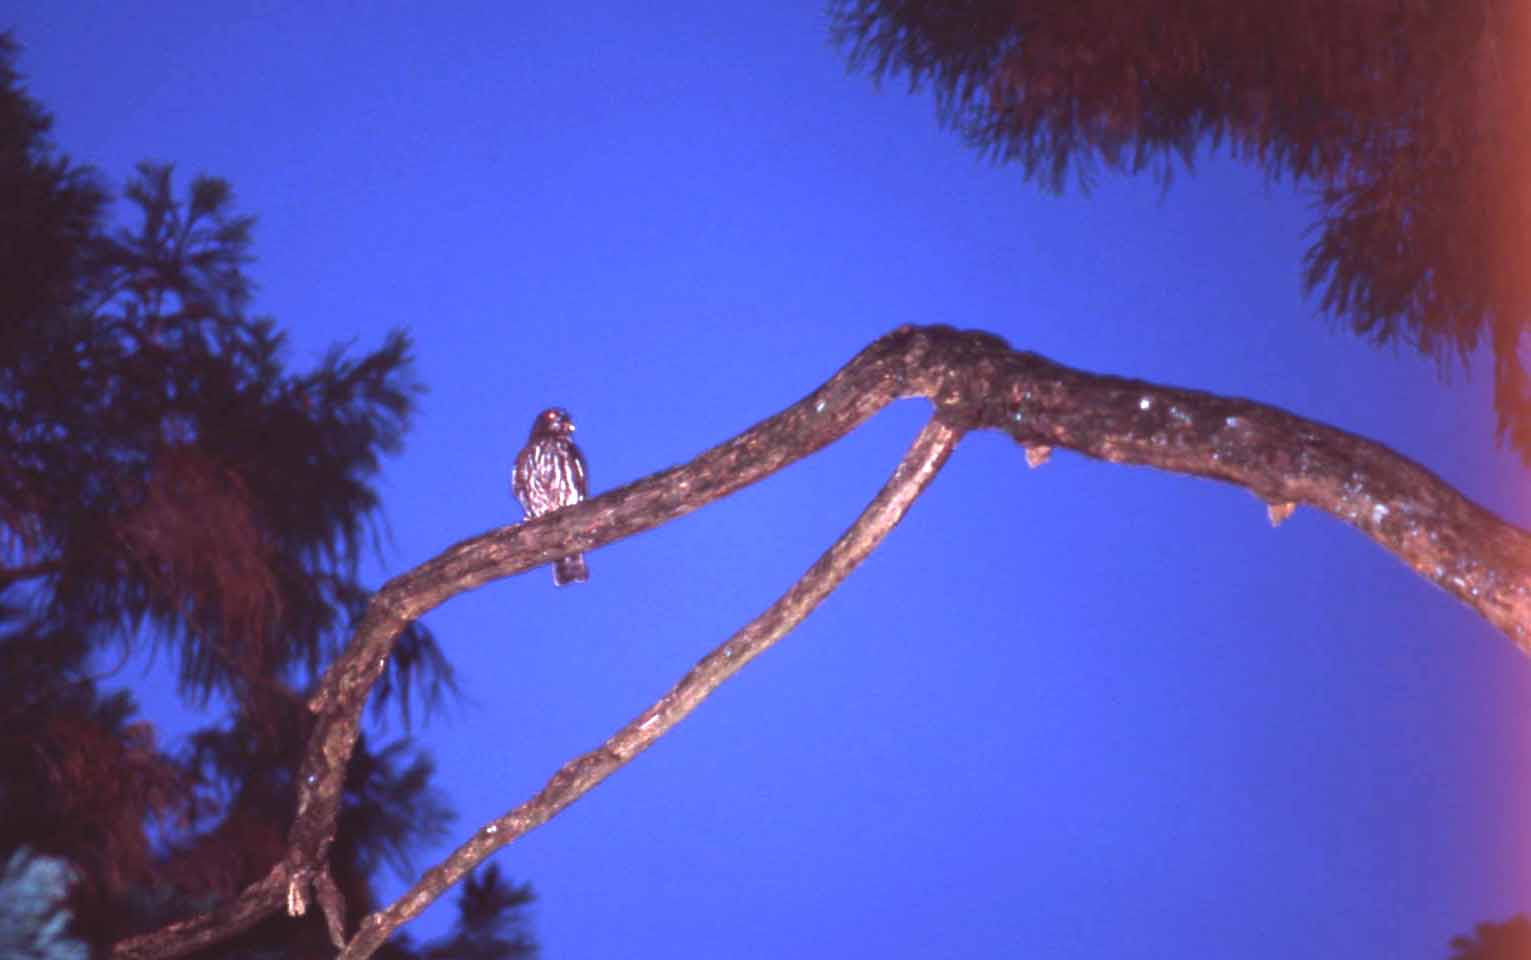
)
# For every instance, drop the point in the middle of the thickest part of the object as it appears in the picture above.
(1510, 940)
(1407, 119)
(487, 925)
(168, 481)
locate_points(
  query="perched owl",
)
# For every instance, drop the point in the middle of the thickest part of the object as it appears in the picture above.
(549, 474)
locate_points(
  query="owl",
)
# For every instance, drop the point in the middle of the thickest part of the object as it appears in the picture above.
(550, 474)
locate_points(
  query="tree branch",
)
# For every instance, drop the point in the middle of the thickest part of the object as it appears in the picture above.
(976, 381)
(919, 467)
(255, 903)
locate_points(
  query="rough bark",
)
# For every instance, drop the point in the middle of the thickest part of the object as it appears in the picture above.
(975, 381)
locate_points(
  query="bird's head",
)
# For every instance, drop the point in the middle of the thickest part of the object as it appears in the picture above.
(553, 422)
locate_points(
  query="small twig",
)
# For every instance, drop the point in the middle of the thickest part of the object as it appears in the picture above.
(577, 777)
(30, 571)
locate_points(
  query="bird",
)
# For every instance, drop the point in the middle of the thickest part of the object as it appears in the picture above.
(549, 475)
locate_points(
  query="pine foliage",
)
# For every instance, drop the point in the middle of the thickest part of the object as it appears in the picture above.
(1406, 119)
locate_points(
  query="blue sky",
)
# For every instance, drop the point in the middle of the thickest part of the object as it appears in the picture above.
(1077, 711)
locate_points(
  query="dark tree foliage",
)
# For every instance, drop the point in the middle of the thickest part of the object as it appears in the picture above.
(490, 921)
(1510, 940)
(164, 478)
(79, 777)
(1407, 118)
(176, 475)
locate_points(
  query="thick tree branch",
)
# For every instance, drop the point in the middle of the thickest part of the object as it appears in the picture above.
(975, 380)
(577, 777)
(254, 904)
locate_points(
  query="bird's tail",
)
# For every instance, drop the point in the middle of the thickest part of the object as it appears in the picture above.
(570, 570)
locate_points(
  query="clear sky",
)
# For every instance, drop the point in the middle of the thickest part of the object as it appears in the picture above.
(1082, 711)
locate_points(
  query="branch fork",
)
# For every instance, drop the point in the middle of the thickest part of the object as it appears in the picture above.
(975, 381)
